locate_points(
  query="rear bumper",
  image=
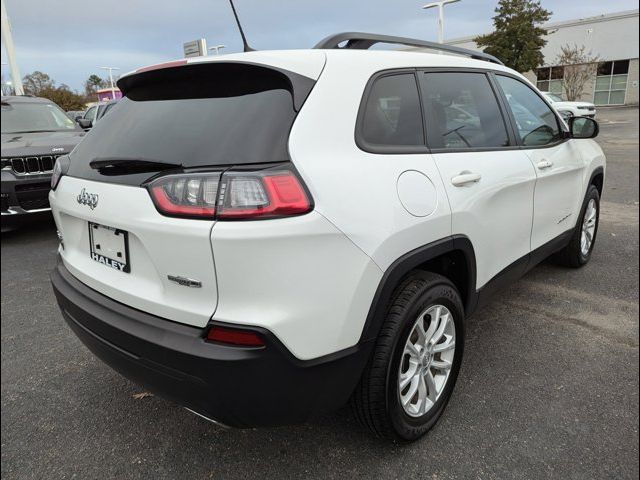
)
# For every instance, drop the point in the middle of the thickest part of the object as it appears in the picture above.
(239, 387)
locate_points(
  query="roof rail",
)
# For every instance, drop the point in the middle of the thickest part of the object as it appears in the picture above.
(364, 41)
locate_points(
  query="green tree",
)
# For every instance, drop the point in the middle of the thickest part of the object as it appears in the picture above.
(36, 82)
(92, 84)
(64, 97)
(517, 38)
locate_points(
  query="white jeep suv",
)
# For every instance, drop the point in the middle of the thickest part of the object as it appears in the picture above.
(570, 109)
(266, 235)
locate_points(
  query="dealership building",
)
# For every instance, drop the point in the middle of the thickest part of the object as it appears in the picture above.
(612, 38)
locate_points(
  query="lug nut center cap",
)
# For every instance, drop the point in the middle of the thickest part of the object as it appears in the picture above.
(426, 360)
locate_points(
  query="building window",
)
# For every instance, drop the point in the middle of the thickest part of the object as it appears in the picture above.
(550, 79)
(611, 83)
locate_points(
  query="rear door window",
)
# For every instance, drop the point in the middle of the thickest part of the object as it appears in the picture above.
(462, 111)
(392, 115)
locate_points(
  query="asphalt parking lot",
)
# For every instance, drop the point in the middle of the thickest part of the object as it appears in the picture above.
(548, 386)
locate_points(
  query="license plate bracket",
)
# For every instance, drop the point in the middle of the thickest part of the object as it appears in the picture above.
(109, 246)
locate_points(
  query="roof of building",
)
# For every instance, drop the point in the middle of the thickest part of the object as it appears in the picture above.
(605, 17)
(611, 36)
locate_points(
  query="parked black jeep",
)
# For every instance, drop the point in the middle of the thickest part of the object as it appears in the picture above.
(35, 132)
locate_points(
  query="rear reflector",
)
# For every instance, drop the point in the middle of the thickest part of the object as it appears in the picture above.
(233, 336)
(236, 195)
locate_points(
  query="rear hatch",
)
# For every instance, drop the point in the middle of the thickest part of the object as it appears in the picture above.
(188, 118)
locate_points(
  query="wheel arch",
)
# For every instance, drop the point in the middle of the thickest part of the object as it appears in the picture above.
(597, 179)
(452, 257)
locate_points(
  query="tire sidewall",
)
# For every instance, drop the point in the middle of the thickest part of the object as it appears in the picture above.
(407, 427)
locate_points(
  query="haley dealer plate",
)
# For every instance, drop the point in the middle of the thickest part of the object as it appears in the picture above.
(109, 246)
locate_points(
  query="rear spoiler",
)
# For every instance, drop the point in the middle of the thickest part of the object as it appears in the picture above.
(182, 80)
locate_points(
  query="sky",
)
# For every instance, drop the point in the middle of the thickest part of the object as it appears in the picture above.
(70, 39)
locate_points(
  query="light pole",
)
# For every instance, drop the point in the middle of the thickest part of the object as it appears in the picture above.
(440, 6)
(113, 86)
(217, 48)
(11, 56)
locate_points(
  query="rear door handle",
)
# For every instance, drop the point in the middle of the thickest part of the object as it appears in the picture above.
(465, 178)
(543, 164)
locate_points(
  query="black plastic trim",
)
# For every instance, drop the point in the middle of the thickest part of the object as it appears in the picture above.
(476, 298)
(598, 171)
(502, 279)
(545, 251)
(409, 262)
(521, 266)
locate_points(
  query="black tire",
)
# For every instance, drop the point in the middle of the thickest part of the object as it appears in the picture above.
(376, 402)
(571, 255)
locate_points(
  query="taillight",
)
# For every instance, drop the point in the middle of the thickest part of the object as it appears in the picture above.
(236, 195)
(186, 195)
(262, 194)
(233, 336)
(60, 168)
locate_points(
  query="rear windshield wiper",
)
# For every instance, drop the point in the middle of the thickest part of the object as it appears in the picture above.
(129, 166)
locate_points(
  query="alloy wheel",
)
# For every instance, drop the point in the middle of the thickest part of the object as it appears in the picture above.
(588, 227)
(426, 360)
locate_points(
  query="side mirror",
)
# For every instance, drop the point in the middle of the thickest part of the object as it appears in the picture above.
(583, 127)
(85, 123)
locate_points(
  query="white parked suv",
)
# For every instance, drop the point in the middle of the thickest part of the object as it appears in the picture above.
(570, 109)
(266, 235)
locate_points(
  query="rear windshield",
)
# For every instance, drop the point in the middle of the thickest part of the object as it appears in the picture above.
(195, 116)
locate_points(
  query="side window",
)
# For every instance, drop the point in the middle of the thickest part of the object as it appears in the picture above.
(90, 114)
(462, 111)
(392, 115)
(536, 122)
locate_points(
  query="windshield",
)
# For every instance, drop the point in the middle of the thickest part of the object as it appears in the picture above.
(553, 98)
(26, 117)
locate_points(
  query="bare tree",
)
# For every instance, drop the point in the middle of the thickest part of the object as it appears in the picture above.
(36, 82)
(579, 67)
